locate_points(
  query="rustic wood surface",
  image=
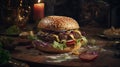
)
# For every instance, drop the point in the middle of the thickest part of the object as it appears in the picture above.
(105, 59)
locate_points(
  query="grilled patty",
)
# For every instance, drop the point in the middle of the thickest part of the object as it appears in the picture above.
(50, 36)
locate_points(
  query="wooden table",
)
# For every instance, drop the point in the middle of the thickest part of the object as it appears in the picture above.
(105, 58)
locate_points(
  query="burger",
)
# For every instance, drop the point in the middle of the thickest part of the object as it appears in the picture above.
(59, 34)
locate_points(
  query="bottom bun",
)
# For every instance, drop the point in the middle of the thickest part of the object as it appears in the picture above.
(50, 49)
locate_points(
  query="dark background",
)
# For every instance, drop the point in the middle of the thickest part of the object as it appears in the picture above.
(106, 13)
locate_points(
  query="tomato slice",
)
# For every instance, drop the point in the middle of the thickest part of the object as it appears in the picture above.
(88, 56)
(70, 43)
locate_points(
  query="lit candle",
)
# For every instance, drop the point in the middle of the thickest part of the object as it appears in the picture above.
(38, 10)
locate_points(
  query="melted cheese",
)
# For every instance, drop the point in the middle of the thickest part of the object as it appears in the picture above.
(68, 32)
(56, 36)
(71, 35)
(78, 32)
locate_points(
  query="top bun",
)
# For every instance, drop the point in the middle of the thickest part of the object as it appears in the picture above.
(58, 23)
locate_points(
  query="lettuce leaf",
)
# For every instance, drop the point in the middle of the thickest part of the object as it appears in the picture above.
(58, 45)
(83, 40)
(62, 45)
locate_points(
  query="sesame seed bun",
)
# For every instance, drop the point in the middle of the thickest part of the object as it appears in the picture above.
(58, 23)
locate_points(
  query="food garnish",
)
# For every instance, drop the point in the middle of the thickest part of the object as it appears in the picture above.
(112, 31)
(13, 30)
(4, 55)
(88, 56)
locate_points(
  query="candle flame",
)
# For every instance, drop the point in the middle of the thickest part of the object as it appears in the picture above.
(39, 1)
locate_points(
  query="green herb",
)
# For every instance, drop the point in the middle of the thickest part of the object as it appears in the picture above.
(13, 30)
(32, 37)
(4, 55)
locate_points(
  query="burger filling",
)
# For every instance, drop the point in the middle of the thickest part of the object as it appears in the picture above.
(62, 39)
(50, 36)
